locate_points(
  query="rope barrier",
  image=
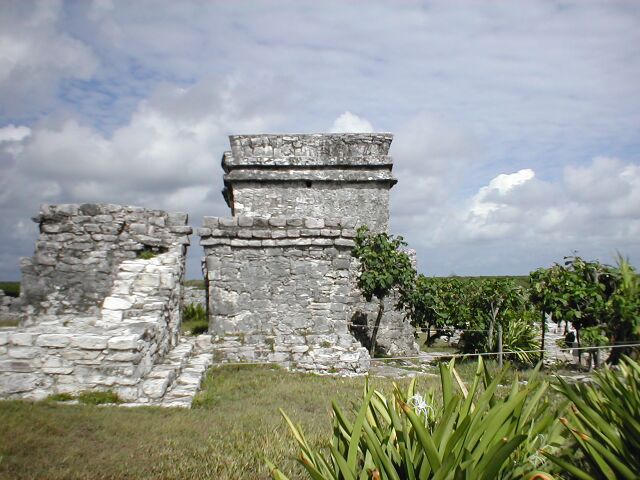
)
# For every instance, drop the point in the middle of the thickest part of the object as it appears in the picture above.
(443, 354)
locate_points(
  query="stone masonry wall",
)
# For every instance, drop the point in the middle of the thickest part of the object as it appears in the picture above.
(321, 175)
(280, 291)
(121, 341)
(80, 248)
(138, 324)
(319, 200)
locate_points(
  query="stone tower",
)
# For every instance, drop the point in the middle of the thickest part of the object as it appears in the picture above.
(280, 276)
(344, 176)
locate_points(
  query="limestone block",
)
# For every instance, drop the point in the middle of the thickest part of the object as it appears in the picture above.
(55, 340)
(4, 338)
(74, 355)
(90, 342)
(21, 339)
(57, 365)
(21, 366)
(295, 222)
(210, 222)
(17, 383)
(300, 349)
(127, 394)
(177, 219)
(314, 223)
(138, 228)
(244, 221)
(111, 316)
(155, 387)
(134, 266)
(148, 280)
(117, 303)
(228, 222)
(24, 352)
(343, 242)
(124, 342)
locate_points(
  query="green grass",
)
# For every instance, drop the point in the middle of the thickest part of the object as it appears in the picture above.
(195, 283)
(12, 289)
(234, 424)
(98, 397)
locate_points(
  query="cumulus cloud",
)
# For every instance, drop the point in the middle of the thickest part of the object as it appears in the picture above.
(166, 156)
(35, 56)
(103, 101)
(351, 123)
(517, 219)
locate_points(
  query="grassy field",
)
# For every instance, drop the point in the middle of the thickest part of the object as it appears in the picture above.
(234, 424)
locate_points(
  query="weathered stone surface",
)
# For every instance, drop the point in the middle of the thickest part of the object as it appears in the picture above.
(124, 342)
(90, 342)
(116, 303)
(17, 383)
(53, 340)
(80, 250)
(302, 197)
(57, 365)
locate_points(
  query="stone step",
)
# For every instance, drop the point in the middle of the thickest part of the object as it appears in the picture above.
(163, 375)
(187, 384)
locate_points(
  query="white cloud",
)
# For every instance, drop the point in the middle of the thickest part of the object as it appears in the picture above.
(538, 222)
(119, 96)
(35, 56)
(487, 199)
(351, 123)
(167, 156)
(11, 133)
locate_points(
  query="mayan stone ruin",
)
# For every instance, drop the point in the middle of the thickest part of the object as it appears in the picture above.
(101, 299)
(279, 272)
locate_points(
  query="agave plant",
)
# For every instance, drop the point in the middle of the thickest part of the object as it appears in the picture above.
(604, 422)
(519, 338)
(474, 434)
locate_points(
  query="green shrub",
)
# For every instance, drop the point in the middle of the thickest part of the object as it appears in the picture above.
(473, 434)
(91, 397)
(60, 397)
(11, 289)
(146, 254)
(194, 319)
(604, 424)
(519, 336)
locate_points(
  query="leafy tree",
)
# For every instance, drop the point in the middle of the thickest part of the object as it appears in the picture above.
(494, 303)
(437, 303)
(547, 293)
(624, 305)
(420, 303)
(597, 299)
(383, 268)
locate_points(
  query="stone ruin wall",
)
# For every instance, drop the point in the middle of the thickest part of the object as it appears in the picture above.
(280, 291)
(80, 248)
(122, 326)
(281, 279)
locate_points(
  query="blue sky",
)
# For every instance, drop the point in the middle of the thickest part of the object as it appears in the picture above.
(517, 124)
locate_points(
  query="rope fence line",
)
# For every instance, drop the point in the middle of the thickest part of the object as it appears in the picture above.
(443, 355)
(506, 352)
